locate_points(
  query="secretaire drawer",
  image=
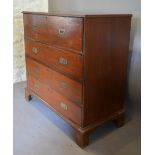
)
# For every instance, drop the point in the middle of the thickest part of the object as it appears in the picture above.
(66, 86)
(55, 100)
(66, 31)
(66, 62)
(35, 27)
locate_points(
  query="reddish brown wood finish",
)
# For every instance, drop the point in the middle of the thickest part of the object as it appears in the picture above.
(66, 86)
(64, 32)
(35, 27)
(54, 99)
(82, 139)
(87, 89)
(119, 120)
(50, 56)
(105, 63)
(71, 28)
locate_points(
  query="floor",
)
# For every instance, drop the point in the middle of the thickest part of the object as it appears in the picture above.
(38, 131)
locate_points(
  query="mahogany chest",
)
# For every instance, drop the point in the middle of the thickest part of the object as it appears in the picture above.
(77, 66)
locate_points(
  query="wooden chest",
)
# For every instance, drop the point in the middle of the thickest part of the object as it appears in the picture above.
(77, 66)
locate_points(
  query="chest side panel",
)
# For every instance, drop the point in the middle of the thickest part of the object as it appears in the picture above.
(105, 64)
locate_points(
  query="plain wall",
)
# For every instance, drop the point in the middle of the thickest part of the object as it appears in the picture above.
(113, 6)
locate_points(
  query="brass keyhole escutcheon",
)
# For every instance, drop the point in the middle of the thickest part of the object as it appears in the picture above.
(61, 32)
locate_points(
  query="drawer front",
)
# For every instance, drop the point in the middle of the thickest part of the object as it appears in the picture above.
(35, 27)
(65, 31)
(55, 100)
(64, 61)
(69, 88)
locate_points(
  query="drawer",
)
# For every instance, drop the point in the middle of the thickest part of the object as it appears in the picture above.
(65, 31)
(61, 104)
(66, 86)
(64, 61)
(35, 27)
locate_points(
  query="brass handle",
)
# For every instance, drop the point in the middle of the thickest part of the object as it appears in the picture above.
(34, 27)
(36, 87)
(63, 84)
(49, 85)
(63, 106)
(35, 50)
(63, 61)
(35, 69)
(62, 32)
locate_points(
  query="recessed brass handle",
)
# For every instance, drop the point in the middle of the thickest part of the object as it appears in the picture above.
(34, 27)
(36, 87)
(35, 69)
(49, 85)
(35, 50)
(63, 106)
(63, 85)
(61, 32)
(63, 61)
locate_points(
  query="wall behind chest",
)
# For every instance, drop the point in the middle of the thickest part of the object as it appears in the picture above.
(113, 6)
(18, 32)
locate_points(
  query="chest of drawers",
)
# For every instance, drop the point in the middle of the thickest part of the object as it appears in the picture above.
(77, 65)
